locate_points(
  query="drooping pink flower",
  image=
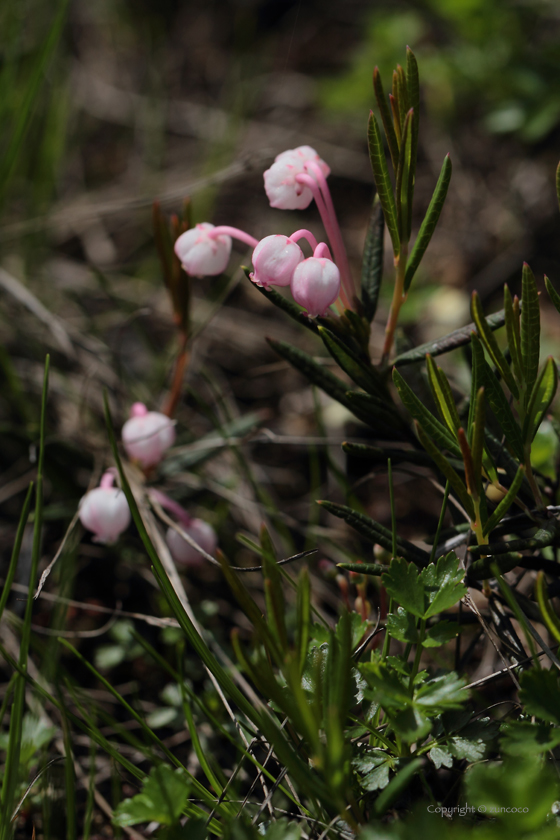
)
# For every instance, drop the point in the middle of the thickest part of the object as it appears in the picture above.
(105, 511)
(316, 285)
(201, 253)
(274, 260)
(147, 435)
(281, 186)
(184, 553)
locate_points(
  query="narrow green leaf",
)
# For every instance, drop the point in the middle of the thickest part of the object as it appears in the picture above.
(513, 335)
(442, 395)
(372, 530)
(477, 439)
(402, 97)
(413, 85)
(543, 537)
(303, 617)
(487, 337)
(372, 262)
(403, 184)
(530, 330)
(451, 341)
(497, 400)
(552, 293)
(365, 376)
(550, 618)
(429, 224)
(506, 502)
(510, 465)
(437, 431)
(386, 118)
(286, 305)
(541, 398)
(445, 467)
(275, 603)
(373, 569)
(382, 181)
(16, 550)
(482, 569)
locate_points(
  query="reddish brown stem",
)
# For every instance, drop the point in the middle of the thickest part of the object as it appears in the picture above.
(178, 376)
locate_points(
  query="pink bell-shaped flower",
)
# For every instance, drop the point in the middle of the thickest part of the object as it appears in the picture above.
(184, 553)
(147, 435)
(316, 284)
(105, 511)
(202, 254)
(280, 184)
(274, 260)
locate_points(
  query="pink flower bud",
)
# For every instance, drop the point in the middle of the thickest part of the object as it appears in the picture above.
(280, 183)
(146, 436)
(183, 553)
(105, 511)
(316, 284)
(274, 260)
(202, 254)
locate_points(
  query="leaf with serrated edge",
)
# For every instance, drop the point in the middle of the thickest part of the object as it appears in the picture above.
(382, 181)
(440, 633)
(402, 626)
(404, 584)
(489, 340)
(444, 584)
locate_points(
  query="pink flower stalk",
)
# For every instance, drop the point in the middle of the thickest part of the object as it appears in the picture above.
(147, 435)
(295, 178)
(283, 189)
(183, 552)
(204, 250)
(105, 511)
(316, 282)
(274, 260)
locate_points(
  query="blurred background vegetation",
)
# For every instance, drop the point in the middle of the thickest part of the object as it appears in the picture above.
(106, 105)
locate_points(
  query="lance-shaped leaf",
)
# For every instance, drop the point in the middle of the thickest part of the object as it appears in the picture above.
(552, 293)
(382, 181)
(445, 467)
(487, 337)
(437, 431)
(362, 374)
(372, 261)
(317, 374)
(404, 181)
(482, 569)
(287, 306)
(430, 221)
(477, 438)
(403, 99)
(386, 118)
(380, 412)
(506, 502)
(372, 530)
(542, 396)
(513, 331)
(550, 618)
(442, 395)
(497, 400)
(275, 603)
(373, 569)
(470, 478)
(530, 330)
(398, 456)
(451, 341)
(544, 536)
(413, 85)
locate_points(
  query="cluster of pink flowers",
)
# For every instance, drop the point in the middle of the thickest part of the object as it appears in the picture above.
(146, 436)
(295, 179)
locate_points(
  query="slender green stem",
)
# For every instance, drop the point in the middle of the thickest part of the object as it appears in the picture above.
(399, 298)
(416, 663)
(440, 523)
